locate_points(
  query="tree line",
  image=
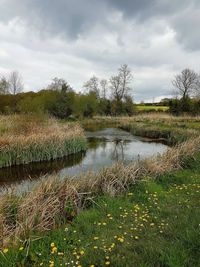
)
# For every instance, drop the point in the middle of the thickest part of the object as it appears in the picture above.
(187, 92)
(100, 96)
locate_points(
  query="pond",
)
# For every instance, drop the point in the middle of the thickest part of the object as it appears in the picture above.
(105, 147)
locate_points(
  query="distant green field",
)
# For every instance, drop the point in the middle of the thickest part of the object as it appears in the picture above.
(151, 108)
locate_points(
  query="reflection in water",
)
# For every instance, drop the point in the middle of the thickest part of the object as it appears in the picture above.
(105, 147)
(34, 170)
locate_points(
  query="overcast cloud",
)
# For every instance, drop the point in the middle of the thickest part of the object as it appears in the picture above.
(78, 38)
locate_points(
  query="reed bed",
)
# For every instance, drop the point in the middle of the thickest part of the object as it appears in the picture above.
(152, 118)
(53, 202)
(29, 139)
(171, 129)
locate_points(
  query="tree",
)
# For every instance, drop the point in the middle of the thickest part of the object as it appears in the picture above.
(104, 88)
(120, 83)
(15, 83)
(4, 86)
(186, 83)
(59, 84)
(92, 85)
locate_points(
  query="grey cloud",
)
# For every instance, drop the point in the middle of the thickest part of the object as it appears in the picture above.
(76, 38)
(187, 25)
(73, 18)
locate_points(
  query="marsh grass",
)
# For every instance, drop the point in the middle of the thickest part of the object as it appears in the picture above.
(155, 223)
(53, 202)
(172, 130)
(26, 139)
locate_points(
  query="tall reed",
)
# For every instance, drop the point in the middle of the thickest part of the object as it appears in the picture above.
(25, 139)
(47, 204)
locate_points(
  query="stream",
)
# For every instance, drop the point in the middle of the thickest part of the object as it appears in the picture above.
(105, 147)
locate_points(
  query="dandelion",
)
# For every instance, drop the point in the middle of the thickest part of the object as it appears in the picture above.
(82, 252)
(121, 239)
(5, 250)
(21, 248)
(130, 194)
(54, 250)
(113, 245)
(107, 263)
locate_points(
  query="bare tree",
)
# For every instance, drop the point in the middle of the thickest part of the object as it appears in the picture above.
(186, 83)
(92, 85)
(59, 84)
(4, 86)
(15, 82)
(120, 83)
(197, 90)
(115, 87)
(104, 88)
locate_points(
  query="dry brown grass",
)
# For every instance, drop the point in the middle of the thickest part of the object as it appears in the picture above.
(164, 118)
(25, 139)
(52, 201)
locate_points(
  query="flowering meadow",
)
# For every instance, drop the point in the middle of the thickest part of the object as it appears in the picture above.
(156, 223)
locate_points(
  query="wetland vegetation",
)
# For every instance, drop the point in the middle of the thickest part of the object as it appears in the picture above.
(66, 220)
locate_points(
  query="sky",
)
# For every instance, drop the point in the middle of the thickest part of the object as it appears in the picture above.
(76, 39)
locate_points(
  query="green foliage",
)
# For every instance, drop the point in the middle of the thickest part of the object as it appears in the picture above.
(86, 105)
(64, 103)
(156, 223)
(184, 105)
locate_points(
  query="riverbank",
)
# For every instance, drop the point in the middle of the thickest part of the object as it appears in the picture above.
(155, 223)
(172, 130)
(55, 203)
(52, 201)
(25, 139)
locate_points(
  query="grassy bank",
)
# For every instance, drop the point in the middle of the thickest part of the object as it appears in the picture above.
(155, 223)
(152, 108)
(25, 139)
(27, 221)
(53, 202)
(172, 130)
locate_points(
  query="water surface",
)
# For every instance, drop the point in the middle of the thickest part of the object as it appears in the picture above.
(105, 147)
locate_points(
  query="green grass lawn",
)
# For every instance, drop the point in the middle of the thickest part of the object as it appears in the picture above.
(151, 108)
(157, 223)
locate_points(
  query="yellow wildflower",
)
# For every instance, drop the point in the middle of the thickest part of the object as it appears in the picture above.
(5, 250)
(82, 252)
(54, 250)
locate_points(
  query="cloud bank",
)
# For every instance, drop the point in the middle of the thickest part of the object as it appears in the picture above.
(76, 39)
